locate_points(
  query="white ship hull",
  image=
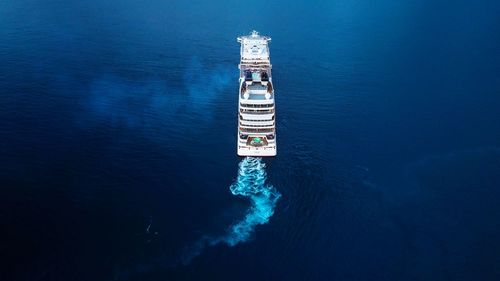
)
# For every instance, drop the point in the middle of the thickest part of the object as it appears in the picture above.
(247, 151)
(256, 107)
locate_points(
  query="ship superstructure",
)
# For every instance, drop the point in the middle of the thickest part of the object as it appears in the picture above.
(256, 108)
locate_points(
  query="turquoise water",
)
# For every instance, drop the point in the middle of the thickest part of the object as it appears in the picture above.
(251, 183)
(118, 141)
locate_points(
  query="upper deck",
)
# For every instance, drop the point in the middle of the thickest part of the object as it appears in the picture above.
(255, 69)
(254, 48)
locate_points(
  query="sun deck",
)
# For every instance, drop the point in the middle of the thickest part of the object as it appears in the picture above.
(257, 92)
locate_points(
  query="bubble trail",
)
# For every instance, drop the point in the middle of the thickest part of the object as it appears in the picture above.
(251, 183)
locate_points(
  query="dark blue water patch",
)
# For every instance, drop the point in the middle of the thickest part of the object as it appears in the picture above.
(449, 206)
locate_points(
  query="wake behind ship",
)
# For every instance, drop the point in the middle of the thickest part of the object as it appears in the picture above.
(256, 109)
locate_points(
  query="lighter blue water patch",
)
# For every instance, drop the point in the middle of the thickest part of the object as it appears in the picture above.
(251, 183)
(146, 103)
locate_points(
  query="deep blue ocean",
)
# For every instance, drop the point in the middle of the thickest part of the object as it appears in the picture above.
(118, 127)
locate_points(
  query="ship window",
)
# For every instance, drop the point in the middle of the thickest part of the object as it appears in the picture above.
(257, 126)
(257, 105)
(256, 120)
(257, 130)
(257, 111)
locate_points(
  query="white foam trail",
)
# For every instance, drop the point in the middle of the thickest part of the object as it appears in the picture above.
(251, 183)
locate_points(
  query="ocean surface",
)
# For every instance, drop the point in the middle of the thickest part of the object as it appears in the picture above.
(118, 141)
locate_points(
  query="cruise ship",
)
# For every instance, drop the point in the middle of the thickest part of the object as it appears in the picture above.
(256, 109)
